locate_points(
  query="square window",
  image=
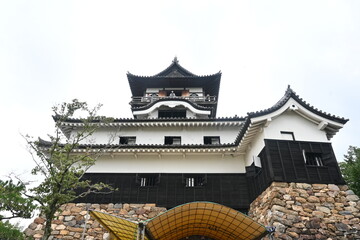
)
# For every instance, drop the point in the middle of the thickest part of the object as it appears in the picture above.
(313, 159)
(211, 140)
(195, 180)
(172, 141)
(127, 140)
(147, 180)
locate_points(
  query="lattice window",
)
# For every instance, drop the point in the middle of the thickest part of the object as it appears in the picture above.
(127, 140)
(211, 140)
(172, 140)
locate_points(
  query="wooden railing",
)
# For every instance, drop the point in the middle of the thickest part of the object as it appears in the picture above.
(202, 99)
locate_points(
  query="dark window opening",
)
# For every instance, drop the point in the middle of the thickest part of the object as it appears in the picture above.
(127, 140)
(195, 181)
(313, 159)
(287, 135)
(211, 140)
(172, 113)
(148, 180)
(172, 140)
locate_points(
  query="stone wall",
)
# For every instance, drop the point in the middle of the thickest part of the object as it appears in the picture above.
(308, 211)
(70, 221)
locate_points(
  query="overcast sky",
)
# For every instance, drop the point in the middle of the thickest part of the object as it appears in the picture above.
(51, 52)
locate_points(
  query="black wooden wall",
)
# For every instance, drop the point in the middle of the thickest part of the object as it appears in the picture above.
(283, 161)
(227, 189)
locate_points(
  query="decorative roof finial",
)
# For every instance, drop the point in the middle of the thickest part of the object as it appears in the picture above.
(289, 90)
(175, 60)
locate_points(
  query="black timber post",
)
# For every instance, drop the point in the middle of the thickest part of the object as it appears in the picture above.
(268, 156)
(281, 161)
(336, 164)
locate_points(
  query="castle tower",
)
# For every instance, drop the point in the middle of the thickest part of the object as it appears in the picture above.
(277, 164)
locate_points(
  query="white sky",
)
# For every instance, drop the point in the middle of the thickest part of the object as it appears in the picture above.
(54, 51)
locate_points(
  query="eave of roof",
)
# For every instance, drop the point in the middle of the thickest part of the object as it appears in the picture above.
(148, 148)
(210, 83)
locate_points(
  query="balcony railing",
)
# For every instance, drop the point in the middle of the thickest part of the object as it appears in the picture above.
(197, 99)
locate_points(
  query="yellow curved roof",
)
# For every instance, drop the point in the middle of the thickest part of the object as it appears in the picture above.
(197, 218)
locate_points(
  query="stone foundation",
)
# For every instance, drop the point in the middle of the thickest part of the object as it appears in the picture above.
(308, 211)
(70, 222)
(297, 210)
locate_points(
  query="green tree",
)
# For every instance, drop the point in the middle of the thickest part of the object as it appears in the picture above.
(61, 168)
(10, 232)
(350, 169)
(13, 203)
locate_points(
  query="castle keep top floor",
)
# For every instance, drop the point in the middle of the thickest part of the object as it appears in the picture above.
(174, 92)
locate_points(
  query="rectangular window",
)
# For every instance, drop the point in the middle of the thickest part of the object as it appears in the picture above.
(211, 140)
(127, 140)
(313, 159)
(147, 180)
(172, 140)
(287, 135)
(172, 113)
(195, 181)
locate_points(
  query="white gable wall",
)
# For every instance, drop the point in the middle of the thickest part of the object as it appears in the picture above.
(303, 129)
(169, 163)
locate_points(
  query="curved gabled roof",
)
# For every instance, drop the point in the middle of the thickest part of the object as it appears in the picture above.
(175, 70)
(289, 93)
(256, 120)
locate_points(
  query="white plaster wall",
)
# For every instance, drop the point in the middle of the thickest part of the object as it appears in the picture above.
(169, 163)
(156, 135)
(303, 129)
(255, 148)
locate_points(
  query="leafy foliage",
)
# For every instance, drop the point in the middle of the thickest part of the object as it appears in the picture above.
(10, 232)
(350, 169)
(60, 166)
(13, 202)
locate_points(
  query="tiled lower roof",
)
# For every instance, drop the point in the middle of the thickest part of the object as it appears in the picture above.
(115, 120)
(45, 144)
